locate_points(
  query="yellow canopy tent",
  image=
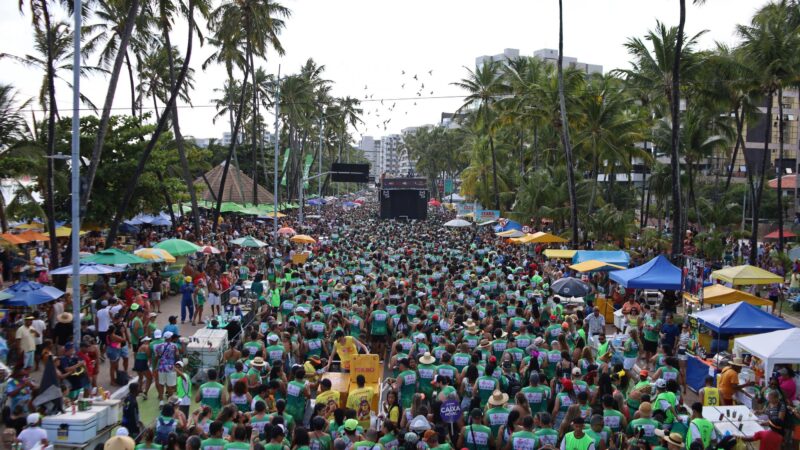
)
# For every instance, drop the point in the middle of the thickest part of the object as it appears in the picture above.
(557, 253)
(594, 265)
(521, 240)
(746, 274)
(66, 232)
(30, 226)
(511, 234)
(547, 238)
(718, 294)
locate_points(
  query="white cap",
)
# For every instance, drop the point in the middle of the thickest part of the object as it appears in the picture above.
(122, 431)
(33, 418)
(168, 335)
(157, 334)
(661, 383)
(272, 338)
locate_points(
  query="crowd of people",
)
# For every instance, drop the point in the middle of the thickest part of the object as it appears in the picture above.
(456, 315)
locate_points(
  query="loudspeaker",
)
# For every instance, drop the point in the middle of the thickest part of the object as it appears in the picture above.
(357, 173)
(404, 203)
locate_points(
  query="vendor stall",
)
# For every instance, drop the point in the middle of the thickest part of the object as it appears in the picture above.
(618, 257)
(718, 294)
(555, 253)
(658, 273)
(777, 347)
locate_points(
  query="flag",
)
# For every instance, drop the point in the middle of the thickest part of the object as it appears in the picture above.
(283, 168)
(306, 168)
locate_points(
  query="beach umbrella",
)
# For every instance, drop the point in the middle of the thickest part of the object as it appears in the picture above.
(210, 250)
(13, 238)
(66, 232)
(178, 247)
(113, 256)
(273, 215)
(31, 236)
(155, 255)
(287, 231)
(303, 239)
(28, 293)
(434, 202)
(87, 269)
(570, 287)
(457, 223)
(30, 226)
(249, 241)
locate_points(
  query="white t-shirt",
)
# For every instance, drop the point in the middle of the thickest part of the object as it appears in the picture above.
(38, 263)
(58, 308)
(115, 309)
(31, 437)
(103, 319)
(39, 326)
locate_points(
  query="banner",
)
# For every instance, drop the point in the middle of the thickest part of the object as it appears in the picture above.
(448, 187)
(485, 215)
(695, 276)
(462, 209)
(283, 167)
(306, 168)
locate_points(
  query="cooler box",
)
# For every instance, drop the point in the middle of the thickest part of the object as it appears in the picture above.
(208, 345)
(114, 412)
(370, 366)
(78, 428)
(102, 413)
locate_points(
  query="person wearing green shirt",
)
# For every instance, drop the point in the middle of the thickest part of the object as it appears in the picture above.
(546, 435)
(461, 358)
(239, 436)
(445, 369)
(319, 437)
(275, 351)
(577, 439)
(277, 438)
(215, 441)
(630, 351)
(211, 393)
(148, 435)
(650, 335)
(476, 436)
(700, 428)
(368, 443)
(297, 394)
(406, 383)
(426, 369)
(485, 386)
(645, 424)
(183, 388)
(253, 347)
(137, 328)
(665, 399)
(389, 441)
(378, 326)
(500, 343)
(611, 417)
(497, 414)
(599, 432)
(524, 439)
(537, 395)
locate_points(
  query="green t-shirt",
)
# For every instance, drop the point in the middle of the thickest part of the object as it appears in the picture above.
(523, 440)
(378, 324)
(213, 444)
(389, 442)
(426, 373)
(648, 425)
(537, 397)
(476, 437)
(546, 436)
(496, 417)
(613, 419)
(651, 329)
(486, 385)
(211, 396)
(151, 446)
(409, 387)
(295, 400)
(237, 445)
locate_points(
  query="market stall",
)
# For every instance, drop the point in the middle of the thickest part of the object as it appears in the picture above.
(777, 347)
(555, 253)
(718, 294)
(658, 273)
(618, 257)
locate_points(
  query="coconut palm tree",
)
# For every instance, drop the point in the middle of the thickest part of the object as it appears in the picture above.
(772, 42)
(13, 126)
(565, 141)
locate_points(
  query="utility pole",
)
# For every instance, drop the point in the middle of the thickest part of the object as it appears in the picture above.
(319, 166)
(76, 179)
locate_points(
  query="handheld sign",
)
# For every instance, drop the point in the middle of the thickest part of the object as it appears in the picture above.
(450, 411)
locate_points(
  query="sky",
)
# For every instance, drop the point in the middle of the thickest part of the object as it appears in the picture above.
(366, 45)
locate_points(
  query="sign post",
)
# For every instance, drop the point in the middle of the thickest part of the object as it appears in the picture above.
(450, 412)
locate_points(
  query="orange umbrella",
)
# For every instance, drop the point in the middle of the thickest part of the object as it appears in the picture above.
(13, 239)
(31, 236)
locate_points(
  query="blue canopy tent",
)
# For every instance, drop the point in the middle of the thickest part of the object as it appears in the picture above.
(29, 293)
(725, 322)
(618, 257)
(658, 273)
(510, 225)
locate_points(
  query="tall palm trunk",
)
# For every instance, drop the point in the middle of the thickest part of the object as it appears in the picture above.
(51, 140)
(739, 119)
(780, 167)
(494, 173)
(562, 103)
(162, 123)
(761, 176)
(176, 128)
(675, 159)
(254, 137)
(234, 139)
(129, 66)
(105, 117)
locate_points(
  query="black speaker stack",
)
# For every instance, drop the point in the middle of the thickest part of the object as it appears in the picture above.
(404, 198)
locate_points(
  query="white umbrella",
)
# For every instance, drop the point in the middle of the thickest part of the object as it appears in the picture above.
(457, 223)
(87, 269)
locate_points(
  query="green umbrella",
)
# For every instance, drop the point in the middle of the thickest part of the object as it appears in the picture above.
(177, 247)
(113, 256)
(230, 207)
(249, 241)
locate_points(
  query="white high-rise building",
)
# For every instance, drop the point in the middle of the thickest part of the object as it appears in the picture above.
(545, 54)
(390, 155)
(371, 148)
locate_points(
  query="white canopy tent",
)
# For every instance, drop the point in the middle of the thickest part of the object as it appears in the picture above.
(777, 347)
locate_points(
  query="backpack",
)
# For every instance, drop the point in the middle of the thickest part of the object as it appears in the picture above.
(163, 430)
(122, 378)
(513, 385)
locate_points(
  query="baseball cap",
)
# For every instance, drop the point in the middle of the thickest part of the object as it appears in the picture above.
(33, 418)
(576, 371)
(567, 384)
(157, 334)
(350, 424)
(661, 383)
(168, 335)
(428, 435)
(122, 431)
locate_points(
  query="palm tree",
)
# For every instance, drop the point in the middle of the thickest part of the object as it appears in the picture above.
(772, 41)
(13, 126)
(562, 102)
(483, 86)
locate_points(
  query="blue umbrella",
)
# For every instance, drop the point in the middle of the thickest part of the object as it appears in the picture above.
(29, 293)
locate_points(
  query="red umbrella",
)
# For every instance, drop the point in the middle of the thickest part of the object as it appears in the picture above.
(434, 202)
(359, 201)
(287, 231)
(775, 234)
(208, 249)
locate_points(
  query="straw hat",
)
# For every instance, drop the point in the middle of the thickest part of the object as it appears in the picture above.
(672, 438)
(485, 280)
(485, 343)
(258, 362)
(233, 301)
(737, 361)
(64, 317)
(498, 398)
(427, 358)
(470, 323)
(473, 329)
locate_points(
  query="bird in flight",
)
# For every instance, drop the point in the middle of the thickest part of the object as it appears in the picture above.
(430, 72)
(423, 86)
(403, 72)
(415, 77)
(403, 86)
(431, 92)
(365, 87)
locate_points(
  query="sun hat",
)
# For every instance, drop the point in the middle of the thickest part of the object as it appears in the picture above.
(258, 362)
(64, 317)
(672, 438)
(427, 358)
(484, 343)
(134, 307)
(350, 424)
(120, 443)
(419, 424)
(233, 301)
(31, 318)
(737, 361)
(498, 398)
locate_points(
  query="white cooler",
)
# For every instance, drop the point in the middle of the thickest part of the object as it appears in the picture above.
(114, 412)
(102, 412)
(208, 345)
(78, 428)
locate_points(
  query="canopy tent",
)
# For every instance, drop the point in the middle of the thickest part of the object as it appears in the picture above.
(238, 187)
(31, 236)
(13, 238)
(777, 347)
(746, 274)
(559, 254)
(618, 257)
(541, 237)
(658, 273)
(787, 234)
(178, 247)
(718, 294)
(457, 223)
(454, 198)
(111, 256)
(66, 232)
(28, 293)
(509, 225)
(524, 239)
(87, 268)
(594, 265)
(740, 318)
(511, 234)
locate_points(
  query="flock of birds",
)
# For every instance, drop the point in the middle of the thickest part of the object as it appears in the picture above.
(380, 114)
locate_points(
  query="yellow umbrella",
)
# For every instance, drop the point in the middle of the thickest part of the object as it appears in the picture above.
(594, 265)
(746, 274)
(155, 254)
(66, 232)
(547, 238)
(560, 254)
(303, 239)
(30, 226)
(273, 214)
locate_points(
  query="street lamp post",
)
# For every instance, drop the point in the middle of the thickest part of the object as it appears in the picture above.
(275, 159)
